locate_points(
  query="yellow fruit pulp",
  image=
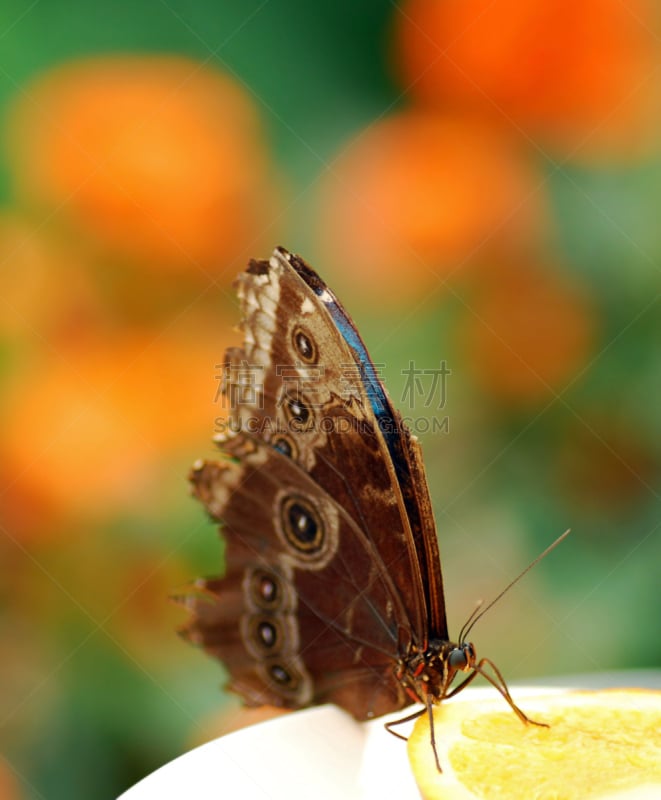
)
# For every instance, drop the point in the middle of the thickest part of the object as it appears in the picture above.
(599, 745)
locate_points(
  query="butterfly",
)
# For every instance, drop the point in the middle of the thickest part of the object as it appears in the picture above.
(332, 591)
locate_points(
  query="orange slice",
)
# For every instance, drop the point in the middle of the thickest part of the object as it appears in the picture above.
(604, 744)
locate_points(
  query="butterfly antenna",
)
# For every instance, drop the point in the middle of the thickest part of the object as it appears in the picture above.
(470, 622)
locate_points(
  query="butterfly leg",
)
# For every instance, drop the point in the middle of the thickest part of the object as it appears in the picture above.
(502, 688)
(410, 718)
(432, 730)
(461, 685)
(428, 709)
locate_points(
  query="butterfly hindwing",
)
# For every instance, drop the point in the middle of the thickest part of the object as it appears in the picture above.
(305, 612)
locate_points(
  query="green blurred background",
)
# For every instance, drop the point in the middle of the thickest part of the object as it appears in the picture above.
(479, 182)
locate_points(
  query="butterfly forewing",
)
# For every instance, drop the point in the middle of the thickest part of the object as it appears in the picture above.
(402, 447)
(317, 406)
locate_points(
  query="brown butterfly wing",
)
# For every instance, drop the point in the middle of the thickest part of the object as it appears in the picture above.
(315, 422)
(305, 613)
(313, 360)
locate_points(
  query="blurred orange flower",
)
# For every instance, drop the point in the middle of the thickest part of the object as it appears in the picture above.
(416, 194)
(8, 785)
(93, 430)
(605, 467)
(529, 330)
(46, 288)
(143, 621)
(159, 159)
(575, 74)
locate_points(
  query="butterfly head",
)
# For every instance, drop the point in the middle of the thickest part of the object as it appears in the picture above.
(462, 658)
(431, 672)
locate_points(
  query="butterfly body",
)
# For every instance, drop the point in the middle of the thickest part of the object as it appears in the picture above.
(332, 589)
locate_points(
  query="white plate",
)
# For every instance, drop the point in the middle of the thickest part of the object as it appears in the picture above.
(321, 752)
